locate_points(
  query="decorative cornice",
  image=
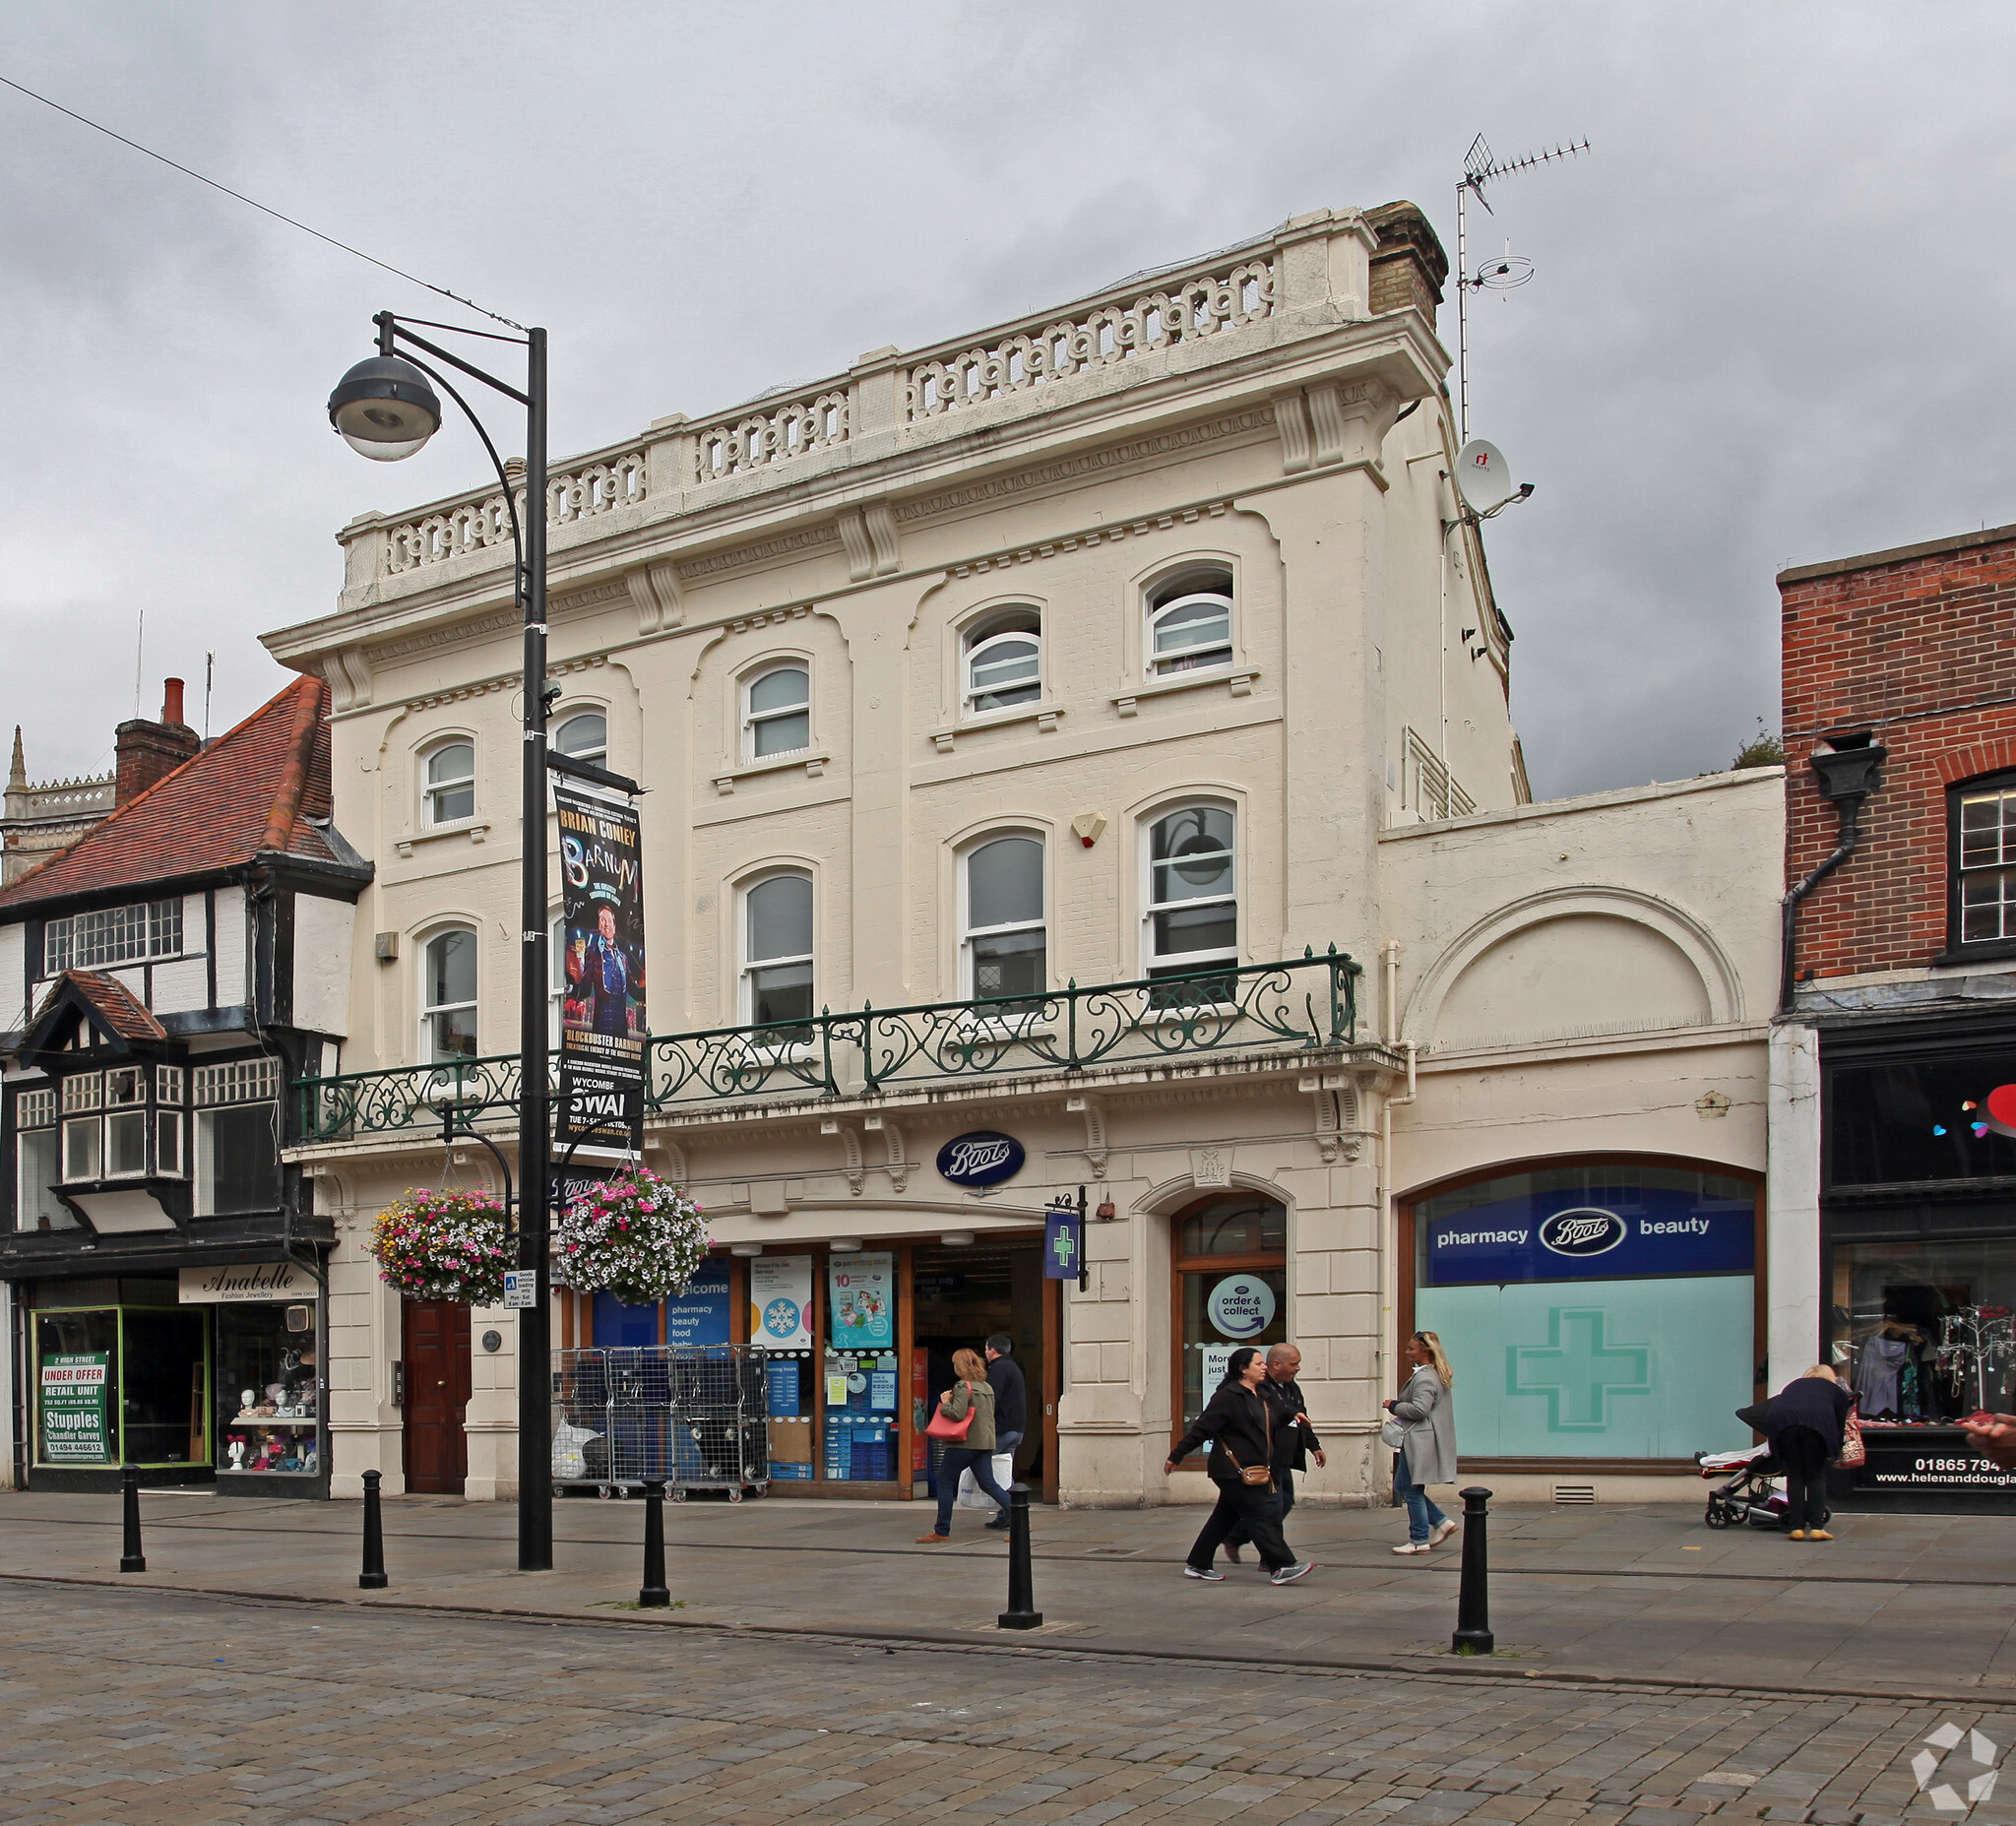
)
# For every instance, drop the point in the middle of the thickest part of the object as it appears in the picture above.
(451, 636)
(1067, 468)
(783, 546)
(1091, 535)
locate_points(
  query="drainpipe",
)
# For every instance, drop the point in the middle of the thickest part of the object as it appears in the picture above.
(1849, 770)
(1388, 1227)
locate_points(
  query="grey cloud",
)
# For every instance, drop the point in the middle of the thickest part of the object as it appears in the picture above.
(1765, 327)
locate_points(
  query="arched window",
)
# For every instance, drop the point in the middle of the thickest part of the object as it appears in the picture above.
(1005, 661)
(448, 995)
(585, 738)
(1192, 918)
(450, 794)
(1190, 621)
(1006, 951)
(1229, 1270)
(777, 716)
(777, 957)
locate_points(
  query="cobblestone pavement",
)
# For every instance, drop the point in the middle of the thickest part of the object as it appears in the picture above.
(149, 1705)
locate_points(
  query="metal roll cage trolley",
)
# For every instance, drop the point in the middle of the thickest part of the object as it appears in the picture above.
(386, 408)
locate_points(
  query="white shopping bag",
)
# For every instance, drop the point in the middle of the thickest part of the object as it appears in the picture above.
(971, 1496)
(568, 1440)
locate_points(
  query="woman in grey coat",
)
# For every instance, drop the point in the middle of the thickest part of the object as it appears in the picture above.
(1427, 1410)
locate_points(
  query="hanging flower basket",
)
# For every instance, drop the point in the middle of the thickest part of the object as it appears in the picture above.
(636, 1235)
(443, 1245)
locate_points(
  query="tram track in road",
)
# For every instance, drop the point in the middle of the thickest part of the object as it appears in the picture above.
(1446, 1568)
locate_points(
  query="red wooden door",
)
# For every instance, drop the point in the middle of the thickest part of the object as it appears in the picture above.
(436, 1354)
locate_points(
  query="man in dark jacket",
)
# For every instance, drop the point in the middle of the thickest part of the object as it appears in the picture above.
(1294, 1437)
(1011, 1403)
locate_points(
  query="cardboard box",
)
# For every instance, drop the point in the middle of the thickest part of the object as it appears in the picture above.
(790, 1442)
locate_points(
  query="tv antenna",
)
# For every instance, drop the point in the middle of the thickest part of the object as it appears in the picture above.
(1482, 167)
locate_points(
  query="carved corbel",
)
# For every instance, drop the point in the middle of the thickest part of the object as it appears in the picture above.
(656, 594)
(349, 674)
(1335, 1095)
(897, 1162)
(851, 1146)
(1095, 1149)
(1350, 419)
(870, 535)
(1292, 420)
(673, 1156)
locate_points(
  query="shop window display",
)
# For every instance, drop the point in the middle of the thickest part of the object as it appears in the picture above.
(1230, 1288)
(267, 1391)
(1601, 1310)
(122, 1385)
(860, 1369)
(1926, 1331)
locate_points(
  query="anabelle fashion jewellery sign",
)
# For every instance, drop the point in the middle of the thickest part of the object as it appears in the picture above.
(250, 1282)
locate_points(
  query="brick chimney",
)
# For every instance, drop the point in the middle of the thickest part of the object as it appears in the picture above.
(149, 750)
(1408, 264)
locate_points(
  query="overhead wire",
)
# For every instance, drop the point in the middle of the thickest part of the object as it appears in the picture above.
(385, 266)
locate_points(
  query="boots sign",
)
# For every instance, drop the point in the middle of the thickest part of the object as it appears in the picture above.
(982, 1159)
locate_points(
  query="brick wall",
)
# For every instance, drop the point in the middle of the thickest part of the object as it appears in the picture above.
(1919, 645)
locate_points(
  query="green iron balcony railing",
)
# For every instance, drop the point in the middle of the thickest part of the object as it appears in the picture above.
(1308, 1002)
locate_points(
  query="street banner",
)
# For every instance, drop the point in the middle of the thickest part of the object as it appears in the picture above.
(74, 1430)
(602, 1022)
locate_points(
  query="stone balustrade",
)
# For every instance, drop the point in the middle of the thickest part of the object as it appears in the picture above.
(1314, 266)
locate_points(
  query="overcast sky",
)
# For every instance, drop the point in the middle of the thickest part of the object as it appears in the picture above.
(1768, 322)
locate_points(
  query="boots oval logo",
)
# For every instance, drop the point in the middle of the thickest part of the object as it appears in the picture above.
(1584, 1231)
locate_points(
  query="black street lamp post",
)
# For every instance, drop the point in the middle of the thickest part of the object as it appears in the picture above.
(385, 410)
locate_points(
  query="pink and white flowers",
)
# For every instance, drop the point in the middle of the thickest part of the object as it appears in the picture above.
(636, 1235)
(443, 1245)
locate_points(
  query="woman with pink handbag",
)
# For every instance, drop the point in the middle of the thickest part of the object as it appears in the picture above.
(965, 1420)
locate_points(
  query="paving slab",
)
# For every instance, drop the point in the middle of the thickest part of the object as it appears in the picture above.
(1895, 1605)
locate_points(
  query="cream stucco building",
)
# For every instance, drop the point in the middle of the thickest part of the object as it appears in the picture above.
(1141, 643)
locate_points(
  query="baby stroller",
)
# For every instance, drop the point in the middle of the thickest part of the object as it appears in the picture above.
(1749, 1492)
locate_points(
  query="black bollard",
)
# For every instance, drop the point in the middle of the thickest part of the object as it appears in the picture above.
(372, 1578)
(654, 1595)
(131, 1558)
(1473, 1595)
(1021, 1612)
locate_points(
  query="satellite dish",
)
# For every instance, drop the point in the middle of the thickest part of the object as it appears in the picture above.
(1483, 477)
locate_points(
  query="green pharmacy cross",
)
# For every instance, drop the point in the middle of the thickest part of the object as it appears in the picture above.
(1578, 1370)
(1064, 1248)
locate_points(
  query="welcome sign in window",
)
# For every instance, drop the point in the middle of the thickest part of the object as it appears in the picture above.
(1598, 1311)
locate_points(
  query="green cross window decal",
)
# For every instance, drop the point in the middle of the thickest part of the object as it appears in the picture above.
(1578, 1370)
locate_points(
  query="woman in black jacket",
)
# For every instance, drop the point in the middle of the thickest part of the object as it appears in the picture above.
(1239, 1424)
(1804, 1422)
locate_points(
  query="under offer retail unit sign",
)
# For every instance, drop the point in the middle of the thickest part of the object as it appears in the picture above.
(74, 1414)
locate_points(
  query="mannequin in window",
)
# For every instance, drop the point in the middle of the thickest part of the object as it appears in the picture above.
(1885, 1359)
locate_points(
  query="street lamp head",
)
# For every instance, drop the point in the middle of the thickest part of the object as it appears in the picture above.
(385, 408)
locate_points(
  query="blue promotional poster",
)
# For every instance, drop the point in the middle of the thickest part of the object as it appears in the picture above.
(700, 1315)
(780, 1302)
(1595, 1233)
(862, 1288)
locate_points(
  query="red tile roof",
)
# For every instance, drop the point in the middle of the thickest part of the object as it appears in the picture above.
(252, 790)
(114, 1002)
